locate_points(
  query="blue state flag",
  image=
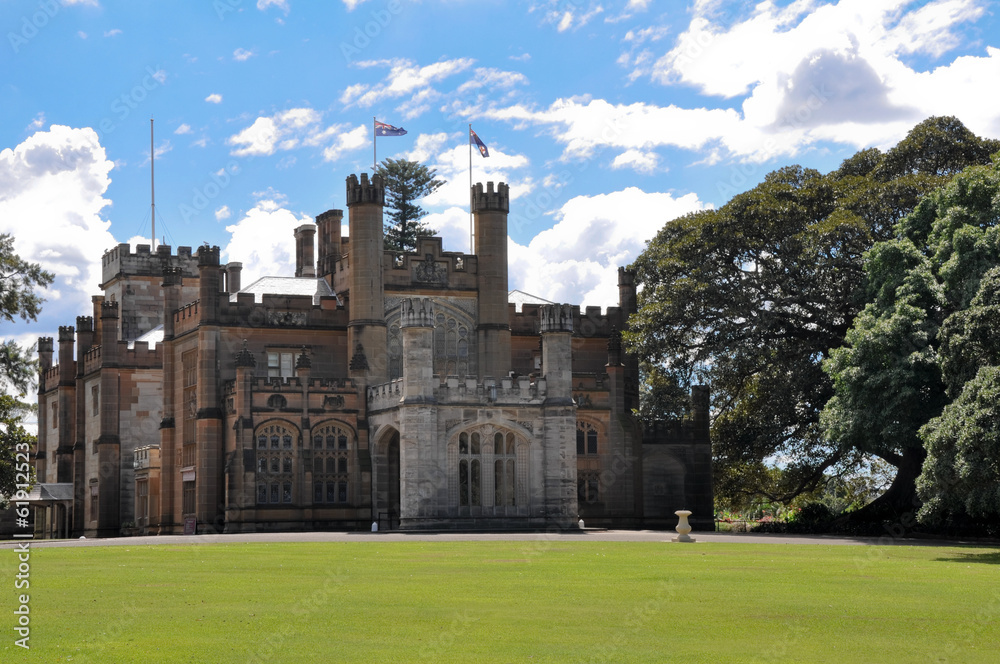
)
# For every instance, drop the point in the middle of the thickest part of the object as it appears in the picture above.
(479, 144)
(383, 129)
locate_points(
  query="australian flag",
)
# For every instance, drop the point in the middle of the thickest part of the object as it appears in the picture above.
(383, 129)
(479, 144)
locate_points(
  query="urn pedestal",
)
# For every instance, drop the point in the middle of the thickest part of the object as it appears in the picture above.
(683, 527)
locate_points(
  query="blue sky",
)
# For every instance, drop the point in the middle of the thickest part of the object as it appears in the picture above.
(607, 119)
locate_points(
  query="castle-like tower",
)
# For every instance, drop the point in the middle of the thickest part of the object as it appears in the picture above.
(372, 385)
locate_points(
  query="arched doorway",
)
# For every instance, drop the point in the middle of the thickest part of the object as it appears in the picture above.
(387, 480)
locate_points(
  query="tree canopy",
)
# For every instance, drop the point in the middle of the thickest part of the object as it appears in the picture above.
(921, 366)
(18, 299)
(405, 183)
(752, 296)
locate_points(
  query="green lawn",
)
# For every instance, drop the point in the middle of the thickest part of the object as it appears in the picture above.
(506, 602)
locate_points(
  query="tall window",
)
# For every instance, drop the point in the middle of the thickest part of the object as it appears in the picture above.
(586, 439)
(332, 453)
(504, 464)
(280, 364)
(189, 406)
(95, 400)
(275, 463)
(55, 415)
(451, 343)
(588, 487)
(93, 502)
(470, 470)
(189, 497)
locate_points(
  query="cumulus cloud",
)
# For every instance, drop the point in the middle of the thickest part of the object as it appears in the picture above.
(242, 55)
(643, 162)
(183, 129)
(223, 213)
(52, 189)
(214, 98)
(294, 128)
(577, 260)
(263, 240)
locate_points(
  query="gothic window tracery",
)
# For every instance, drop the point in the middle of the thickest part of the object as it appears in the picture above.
(333, 447)
(275, 450)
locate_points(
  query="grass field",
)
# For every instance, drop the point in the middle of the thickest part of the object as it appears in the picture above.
(506, 602)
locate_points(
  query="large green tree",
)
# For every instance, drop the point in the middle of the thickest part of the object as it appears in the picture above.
(751, 297)
(18, 299)
(918, 374)
(405, 183)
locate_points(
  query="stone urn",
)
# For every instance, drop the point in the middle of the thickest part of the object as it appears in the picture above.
(683, 527)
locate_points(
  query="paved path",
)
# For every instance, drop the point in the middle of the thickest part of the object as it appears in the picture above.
(596, 535)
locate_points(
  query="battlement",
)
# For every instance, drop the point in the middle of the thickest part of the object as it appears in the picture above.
(85, 323)
(108, 310)
(120, 261)
(588, 322)
(466, 392)
(208, 256)
(490, 200)
(66, 333)
(365, 191)
(556, 318)
(416, 312)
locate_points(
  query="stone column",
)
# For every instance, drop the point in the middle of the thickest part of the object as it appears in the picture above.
(84, 342)
(489, 209)
(168, 520)
(421, 454)
(109, 441)
(559, 411)
(67, 405)
(210, 509)
(242, 491)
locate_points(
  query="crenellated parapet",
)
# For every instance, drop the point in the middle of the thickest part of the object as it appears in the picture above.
(365, 190)
(208, 256)
(555, 318)
(120, 261)
(416, 312)
(587, 322)
(490, 200)
(455, 391)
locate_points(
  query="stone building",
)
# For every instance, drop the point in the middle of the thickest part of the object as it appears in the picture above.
(400, 388)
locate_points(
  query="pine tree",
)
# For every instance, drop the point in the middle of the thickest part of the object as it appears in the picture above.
(405, 183)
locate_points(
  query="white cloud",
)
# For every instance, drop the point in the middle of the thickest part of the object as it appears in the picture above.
(183, 129)
(214, 98)
(643, 162)
(242, 55)
(280, 4)
(351, 4)
(37, 123)
(405, 78)
(223, 213)
(163, 148)
(263, 240)
(81, 34)
(297, 127)
(91, 3)
(495, 79)
(577, 260)
(160, 75)
(112, 33)
(52, 189)
(346, 141)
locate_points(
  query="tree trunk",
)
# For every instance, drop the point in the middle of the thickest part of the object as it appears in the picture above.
(900, 502)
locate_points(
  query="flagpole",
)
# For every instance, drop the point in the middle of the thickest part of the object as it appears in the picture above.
(472, 232)
(374, 146)
(152, 185)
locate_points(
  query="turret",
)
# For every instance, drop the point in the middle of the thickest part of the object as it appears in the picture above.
(366, 328)
(210, 283)
(489, 209)
(557, 352)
